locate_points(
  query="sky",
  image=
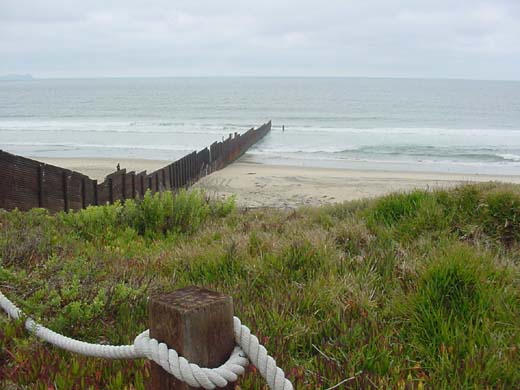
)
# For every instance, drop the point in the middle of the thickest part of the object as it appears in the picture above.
(467, 39)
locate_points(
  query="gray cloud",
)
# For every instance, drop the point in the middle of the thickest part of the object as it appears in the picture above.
(466, 39)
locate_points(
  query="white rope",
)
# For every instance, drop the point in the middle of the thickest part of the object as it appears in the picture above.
(248, 349)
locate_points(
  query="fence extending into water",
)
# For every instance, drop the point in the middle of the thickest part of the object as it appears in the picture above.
(26, 183)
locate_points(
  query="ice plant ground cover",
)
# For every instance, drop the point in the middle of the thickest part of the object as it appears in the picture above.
(418, 290)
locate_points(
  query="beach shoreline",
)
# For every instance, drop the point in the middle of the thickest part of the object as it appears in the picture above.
(259, 185)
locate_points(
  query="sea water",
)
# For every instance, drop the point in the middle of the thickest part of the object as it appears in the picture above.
(360, 123)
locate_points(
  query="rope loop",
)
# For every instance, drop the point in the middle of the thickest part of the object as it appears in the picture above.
(248, 349)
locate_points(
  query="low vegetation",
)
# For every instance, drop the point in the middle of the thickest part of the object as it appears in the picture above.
(409, 291)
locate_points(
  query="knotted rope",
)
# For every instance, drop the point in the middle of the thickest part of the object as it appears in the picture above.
(248, 349)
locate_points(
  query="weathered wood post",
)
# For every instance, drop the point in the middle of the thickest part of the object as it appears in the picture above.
(198, 324)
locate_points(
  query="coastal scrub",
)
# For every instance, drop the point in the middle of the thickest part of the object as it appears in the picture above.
(413, 290)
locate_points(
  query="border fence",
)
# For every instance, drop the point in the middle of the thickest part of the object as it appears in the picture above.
(26, 183)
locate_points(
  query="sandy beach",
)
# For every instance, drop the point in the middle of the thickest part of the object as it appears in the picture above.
(258, 185)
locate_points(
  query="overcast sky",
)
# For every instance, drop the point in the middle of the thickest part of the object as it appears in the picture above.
(375, 38)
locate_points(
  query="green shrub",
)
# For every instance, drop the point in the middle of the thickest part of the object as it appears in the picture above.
(222, 208)
(353, 238)
(95, 222)
(465, 201)
(468, 211)
(300, 261)
(429, 218)
(455, 312)
(500, 216)
(26, 237)
(392, 208)
(153, 216)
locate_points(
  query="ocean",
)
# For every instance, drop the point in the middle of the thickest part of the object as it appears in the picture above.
(359, 123)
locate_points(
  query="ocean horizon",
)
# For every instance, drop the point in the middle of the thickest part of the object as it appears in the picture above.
(437, 125)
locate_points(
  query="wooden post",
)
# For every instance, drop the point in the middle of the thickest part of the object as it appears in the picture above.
(198, 324)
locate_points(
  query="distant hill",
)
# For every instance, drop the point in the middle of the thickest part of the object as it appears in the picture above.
(16, 77)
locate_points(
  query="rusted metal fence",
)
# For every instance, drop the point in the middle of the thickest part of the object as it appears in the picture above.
(26, 183)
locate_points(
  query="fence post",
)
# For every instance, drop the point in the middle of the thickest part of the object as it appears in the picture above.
(95, 184)
(175, 168)
(198, 324)
(83, 193)
(65, 183)
(182, 173)
(163, 179)
(41, 180)
(123, 185)
(110, 191)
